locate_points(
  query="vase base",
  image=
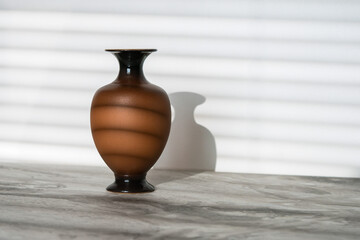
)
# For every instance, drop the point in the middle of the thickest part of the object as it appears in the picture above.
(130, 184)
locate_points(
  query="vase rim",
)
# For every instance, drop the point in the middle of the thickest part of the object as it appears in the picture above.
(132, 50)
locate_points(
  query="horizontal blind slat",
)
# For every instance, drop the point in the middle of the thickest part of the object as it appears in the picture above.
(315, 10)
(192, 27)
(240, 48)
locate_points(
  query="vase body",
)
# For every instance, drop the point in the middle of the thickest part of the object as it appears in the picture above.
(130, 123)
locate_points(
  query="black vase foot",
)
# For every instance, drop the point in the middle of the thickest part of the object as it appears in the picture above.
(130, 184)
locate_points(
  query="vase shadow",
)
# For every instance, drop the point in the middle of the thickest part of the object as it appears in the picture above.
(190, 146)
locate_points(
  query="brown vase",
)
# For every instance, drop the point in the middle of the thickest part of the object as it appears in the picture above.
(130, 122)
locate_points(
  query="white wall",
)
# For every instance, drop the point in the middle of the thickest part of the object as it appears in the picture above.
(281, 78)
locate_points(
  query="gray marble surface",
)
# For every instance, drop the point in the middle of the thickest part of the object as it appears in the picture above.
(67, 202)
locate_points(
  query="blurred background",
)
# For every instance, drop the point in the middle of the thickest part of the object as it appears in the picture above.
(281, 78)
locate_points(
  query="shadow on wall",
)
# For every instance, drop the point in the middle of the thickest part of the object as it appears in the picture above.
(190, 145)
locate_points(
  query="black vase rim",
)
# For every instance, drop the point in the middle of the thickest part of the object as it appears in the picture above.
(132, 50)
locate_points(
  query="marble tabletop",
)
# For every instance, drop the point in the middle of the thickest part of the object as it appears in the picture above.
(70, 202)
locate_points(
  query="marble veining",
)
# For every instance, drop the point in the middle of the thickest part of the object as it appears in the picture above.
(67, 202)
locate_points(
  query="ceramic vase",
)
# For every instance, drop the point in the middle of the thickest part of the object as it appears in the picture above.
(130, 122)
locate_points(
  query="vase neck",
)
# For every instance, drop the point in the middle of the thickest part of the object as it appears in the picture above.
(131, 65)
